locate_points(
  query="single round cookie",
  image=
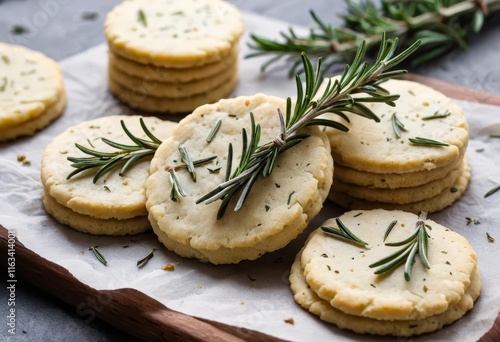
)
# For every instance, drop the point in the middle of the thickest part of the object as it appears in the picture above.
(437, 203)
(30, 84)
(307, 298)
(392, 180)
(112, 196)
(88, 224)
(373, 147)
(339, 272)
(31, 126)
(171, 90)
(166, 105)
(278, 207)
(178, 34)
(401, 195)
(173, 75)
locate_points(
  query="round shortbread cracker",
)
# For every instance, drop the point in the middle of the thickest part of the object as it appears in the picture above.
(31, 126)
(307, 298)
(179, 34)
(171, 90)
(402, 195)
(30, 83)
(165, 105)
(392, 180)
(373, 147)
(437, 203)
(339, 271)
(172, 75)
(88, 224)
(277, 208)
(113, 196)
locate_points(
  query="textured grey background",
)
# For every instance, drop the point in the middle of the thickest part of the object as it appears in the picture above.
(61, 28)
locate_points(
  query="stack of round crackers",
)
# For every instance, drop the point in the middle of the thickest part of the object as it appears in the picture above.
(114, 204)
(31, 91)
(333, 279)
(377, 166)
(276, 210)
(173, 56)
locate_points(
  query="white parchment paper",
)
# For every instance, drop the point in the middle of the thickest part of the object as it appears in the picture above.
(253, 294)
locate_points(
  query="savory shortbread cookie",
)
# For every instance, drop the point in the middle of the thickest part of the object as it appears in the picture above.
(307, 298)
(172, 75)
(437, 203)
(167, 105)
(30, 126)
(339, 272)
(171, 90)
(112, 196)
(92, 225)
(392, 180)
(374, 147)
(278, 207)
(30, 84)
(173, 33)
(402, 195)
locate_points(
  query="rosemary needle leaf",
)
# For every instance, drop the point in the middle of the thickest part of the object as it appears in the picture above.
(144, 261)
(214, 130)
(427, 142)
(141, 17)
(437, 116)
(389, 229)
(187, 160)
(492, 191)
(397, 126)
(98, 255)
(348, 232)
(343, 233)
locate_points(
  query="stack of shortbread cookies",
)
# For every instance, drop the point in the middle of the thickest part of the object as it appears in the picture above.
(276, 210)
(173, 56)
(377, 166)
(32, 91)
(115, 204)
(332, 278)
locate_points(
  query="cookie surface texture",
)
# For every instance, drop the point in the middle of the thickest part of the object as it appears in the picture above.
(339, 272)
(277, 208)
(112, 196)
(374, 147)
(173, 33)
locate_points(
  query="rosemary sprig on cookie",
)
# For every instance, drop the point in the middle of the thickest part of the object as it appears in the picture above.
(127, 155)
(417, 242)
(441, 26)
(343, 233)
(357, 78)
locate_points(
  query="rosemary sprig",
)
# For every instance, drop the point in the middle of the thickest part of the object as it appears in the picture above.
(492, 191)
(127, 155)
(417, 242)
(441, 25)
(343, 233)
(98, 255)
(427, 142)
(359, 77)
(142, 262)
(397, 126)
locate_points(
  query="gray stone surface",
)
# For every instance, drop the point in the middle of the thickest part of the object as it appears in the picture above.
(61, 28)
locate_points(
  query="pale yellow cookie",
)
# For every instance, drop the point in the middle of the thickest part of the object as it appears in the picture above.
(173, 75)
(31, 126)
(402, 195)
(169, 33)
(392, 180)
(88, 224)
(112, 196)
(278, 207)
(339, 272)
(166, 105)
(307, 298)
(30, 83)
(374, 147)
(437, 203)
(171, 90)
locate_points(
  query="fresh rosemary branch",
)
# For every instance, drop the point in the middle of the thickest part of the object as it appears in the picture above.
(357, 78)
(441, 25)
(127, 155)
(343, 233)
(417, 242)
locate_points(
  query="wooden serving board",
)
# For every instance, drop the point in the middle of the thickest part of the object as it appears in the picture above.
(137, 314)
